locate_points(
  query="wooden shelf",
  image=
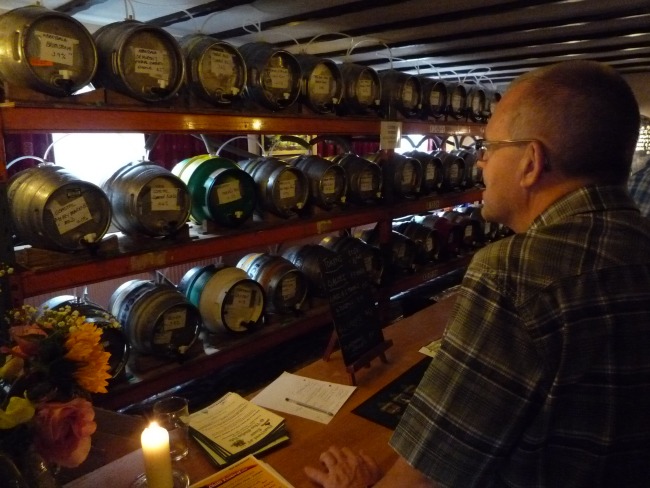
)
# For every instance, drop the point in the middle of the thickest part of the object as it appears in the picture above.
(170, 374)
(424, 275)
(38, 281)
(434, 202)
(72, 118)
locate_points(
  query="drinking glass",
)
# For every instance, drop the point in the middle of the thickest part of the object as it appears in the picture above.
(172, 413)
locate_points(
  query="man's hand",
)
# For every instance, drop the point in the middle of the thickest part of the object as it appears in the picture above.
(344, 469)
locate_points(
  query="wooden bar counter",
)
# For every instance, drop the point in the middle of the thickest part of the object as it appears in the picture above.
(117, 436)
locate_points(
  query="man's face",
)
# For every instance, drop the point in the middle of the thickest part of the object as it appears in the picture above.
(501, 198)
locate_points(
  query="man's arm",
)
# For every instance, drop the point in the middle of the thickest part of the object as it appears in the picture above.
(342, 468)
(403, 474)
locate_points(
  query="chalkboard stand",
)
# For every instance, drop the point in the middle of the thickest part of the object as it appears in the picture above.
(331, 346)
(350, 293)
(363, 361)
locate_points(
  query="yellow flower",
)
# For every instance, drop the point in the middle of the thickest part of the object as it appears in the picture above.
(12, 367)
(19, 410)
(84, 347)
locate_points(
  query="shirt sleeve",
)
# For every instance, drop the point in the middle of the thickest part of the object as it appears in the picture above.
(479, 393)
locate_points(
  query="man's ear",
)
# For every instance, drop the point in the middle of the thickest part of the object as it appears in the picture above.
(533, 164)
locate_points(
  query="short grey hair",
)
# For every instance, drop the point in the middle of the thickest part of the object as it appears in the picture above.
(587, 115)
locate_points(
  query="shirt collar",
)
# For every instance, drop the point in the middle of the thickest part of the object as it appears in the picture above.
(586, 200)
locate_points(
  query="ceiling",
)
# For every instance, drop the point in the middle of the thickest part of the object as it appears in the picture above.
(484, 42)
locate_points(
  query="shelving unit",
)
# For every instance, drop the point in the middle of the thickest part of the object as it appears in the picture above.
(69, 118)
(86, 269)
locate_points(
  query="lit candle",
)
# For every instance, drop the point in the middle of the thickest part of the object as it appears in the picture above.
(157, 459)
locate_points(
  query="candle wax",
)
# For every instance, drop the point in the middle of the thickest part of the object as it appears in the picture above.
(157, 459)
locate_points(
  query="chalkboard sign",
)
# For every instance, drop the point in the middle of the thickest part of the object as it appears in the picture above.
(352, 304)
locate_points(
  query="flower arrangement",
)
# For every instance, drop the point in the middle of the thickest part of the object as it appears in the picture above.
(51, 362)
(5, 272)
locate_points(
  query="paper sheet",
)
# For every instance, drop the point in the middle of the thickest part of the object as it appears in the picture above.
(432, 348)
(312, 399)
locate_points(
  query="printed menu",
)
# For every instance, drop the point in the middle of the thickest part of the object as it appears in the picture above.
(249, 472)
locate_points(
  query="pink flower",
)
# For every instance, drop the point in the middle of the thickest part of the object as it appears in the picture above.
(63, 430)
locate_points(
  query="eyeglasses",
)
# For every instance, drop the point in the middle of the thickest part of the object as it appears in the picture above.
(482, 146)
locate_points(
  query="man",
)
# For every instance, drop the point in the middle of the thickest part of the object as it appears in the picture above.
(543, 376)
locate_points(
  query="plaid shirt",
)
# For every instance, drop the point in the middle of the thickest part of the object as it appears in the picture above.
(543, 377)
(639, 186)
